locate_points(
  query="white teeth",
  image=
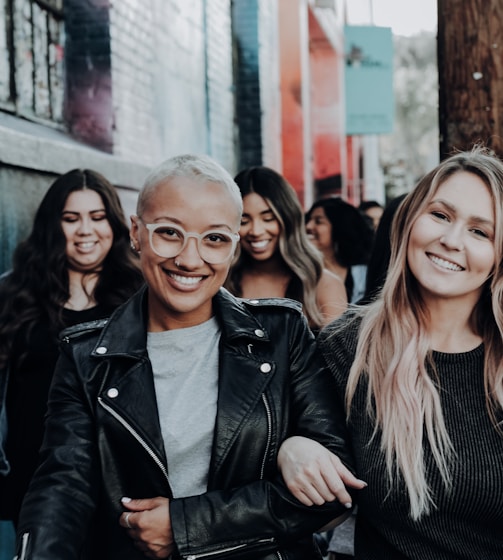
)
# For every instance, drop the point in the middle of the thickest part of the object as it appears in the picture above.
(445, 264)
(187, 280)
(87, 244)
(259, 244)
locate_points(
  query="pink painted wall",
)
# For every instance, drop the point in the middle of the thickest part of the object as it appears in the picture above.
(327, 116)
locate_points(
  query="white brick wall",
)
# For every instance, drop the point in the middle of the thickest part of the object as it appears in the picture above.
(270, 97)
(136, 132)
(162, 103)
(220, 82)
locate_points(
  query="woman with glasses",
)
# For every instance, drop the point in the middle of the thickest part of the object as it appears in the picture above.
(76, 266)
(164, 422)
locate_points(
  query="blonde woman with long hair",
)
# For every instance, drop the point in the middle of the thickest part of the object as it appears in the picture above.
(420, 374)
(276, 258)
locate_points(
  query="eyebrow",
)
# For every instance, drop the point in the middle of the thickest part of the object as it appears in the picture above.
(268, 211)
(77, 213)
(452, 208)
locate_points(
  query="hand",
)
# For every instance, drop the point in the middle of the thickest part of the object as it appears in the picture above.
(148, 523)
(313, 474)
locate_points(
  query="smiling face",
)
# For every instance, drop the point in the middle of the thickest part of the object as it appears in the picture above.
(260, 229)
(451, 245)
(87, 231)
(319, 230)
(180, 295)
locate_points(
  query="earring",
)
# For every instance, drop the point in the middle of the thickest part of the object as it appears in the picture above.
(133, 246)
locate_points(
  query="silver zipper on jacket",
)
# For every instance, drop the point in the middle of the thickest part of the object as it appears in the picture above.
(24, 546)
(269, 434)
(137, 436)
(224, 550)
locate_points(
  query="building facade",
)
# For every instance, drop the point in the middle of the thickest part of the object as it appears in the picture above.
(117, 87)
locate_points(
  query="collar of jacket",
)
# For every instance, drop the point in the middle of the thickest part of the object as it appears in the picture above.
(126, 331)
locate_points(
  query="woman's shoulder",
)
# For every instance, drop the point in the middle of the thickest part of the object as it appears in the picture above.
(338, 341)
(330, 279)
(343, 330)
(331, 295)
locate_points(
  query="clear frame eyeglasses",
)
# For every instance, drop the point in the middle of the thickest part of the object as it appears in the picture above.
(169, 240)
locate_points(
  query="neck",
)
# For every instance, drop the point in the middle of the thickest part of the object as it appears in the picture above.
(273, 266)
(81, 288)
(451, 328)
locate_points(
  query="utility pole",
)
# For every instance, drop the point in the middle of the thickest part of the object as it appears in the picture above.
(470, 71)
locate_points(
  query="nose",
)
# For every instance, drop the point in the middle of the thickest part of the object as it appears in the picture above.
(453, 238)
(256, 228)
(309, 226)
(85, 226)
(189, 257)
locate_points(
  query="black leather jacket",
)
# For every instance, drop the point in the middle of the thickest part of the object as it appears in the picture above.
(103, 440)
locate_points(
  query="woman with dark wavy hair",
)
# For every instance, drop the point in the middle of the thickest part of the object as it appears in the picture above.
(276, 258)
(345, 238)
(75, 266)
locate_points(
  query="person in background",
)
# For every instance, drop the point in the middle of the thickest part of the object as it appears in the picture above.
(340, 540)
(373, 210)
(165, 421)
(276, 258)
(75, 266)
(377, 267)
(345, 238)
(420, 373)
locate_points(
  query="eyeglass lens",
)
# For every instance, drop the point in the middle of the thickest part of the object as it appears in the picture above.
(214, 246)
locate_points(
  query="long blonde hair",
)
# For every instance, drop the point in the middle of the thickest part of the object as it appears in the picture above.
(394, 351)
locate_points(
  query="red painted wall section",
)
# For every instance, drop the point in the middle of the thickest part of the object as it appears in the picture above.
(327, 117)
(292, 118)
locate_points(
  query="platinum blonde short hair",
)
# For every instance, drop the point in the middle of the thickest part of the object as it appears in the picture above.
(200, 167)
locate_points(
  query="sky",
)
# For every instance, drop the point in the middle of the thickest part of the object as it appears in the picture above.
(405, 17)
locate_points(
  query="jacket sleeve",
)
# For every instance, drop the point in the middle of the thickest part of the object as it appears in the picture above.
(68, 466)
(264, 515)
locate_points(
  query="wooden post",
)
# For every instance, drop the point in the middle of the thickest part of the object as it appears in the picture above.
(470, 69)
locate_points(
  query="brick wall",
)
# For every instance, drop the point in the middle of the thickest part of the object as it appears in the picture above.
(146, 79)
(258, 108)
(219, 72)
(248, 106)
(136, 133)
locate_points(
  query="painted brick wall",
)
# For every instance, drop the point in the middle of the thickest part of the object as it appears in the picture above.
(136, 132)
(257, 82)
(172, 79)
(220, 82)
(270, 98)
(248, 106)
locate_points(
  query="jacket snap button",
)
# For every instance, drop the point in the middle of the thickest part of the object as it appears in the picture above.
(101, 350)
(112, 393)
(254, 301)
(259, 333)
(265, 368)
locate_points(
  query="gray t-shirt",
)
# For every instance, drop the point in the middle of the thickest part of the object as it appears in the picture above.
(185, 366)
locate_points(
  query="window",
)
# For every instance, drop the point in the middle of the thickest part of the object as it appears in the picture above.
(32, 59)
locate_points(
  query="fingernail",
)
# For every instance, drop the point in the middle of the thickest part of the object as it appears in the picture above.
(349, 505)
(125, 500)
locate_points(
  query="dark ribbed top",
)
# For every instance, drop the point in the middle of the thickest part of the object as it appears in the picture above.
(468, 521)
